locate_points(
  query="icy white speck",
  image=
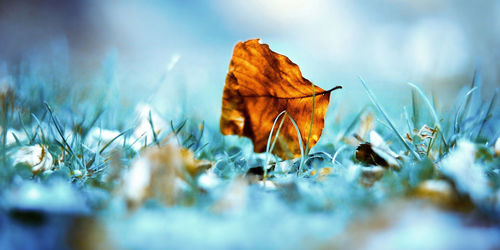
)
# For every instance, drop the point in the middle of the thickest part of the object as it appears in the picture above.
(208, 180)
(137, 180)
(437, 185)
(268, 185)
(33, 193)
(467, 175)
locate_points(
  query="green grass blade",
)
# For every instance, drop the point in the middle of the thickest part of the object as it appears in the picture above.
(302, 156)
(437, 123)
(415, 109)
(39, 126)
(459, 114)
(59, 129)
(112, 140)
(268, 147)
(28, 134)
(384, 114)
(312, 119)
(155, 136)
(486, 116)
(428, 103)
(18, 142)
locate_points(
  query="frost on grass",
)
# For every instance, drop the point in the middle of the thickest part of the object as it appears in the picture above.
(180, 184)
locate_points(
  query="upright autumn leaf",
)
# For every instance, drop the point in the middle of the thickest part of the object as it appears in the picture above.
(260, 85)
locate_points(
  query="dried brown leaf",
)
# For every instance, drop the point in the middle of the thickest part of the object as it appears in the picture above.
(260, 85)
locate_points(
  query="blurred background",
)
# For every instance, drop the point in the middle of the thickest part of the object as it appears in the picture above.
(171, 57)
(174, 55)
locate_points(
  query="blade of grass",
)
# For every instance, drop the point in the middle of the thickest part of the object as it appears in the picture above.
(433, 139)
(381, 110)
(39, 126)
(427, 102)
(488, 111)
(112, 140)
(18, 142)
(407, 117)
(155, 137)
(302, 156)
(28, 134)
(469, 97)
(136, 140)
(437, 123)
(334, 158)
(312, 119)
(198, 141)
(176, 131)
(269, 140)
(415, 109)
(199, 149)
(97, 115)
(460, 109)
(277, 134)
(61, 134)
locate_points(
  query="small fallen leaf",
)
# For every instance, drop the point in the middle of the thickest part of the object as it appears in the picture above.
(37, 157)
(163, 172)
(366, 154)
(259, 86)
(377, 152)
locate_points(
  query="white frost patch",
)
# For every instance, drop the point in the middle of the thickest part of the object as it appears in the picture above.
(137, 180)
(437, 185)
(467, 175)
(267, 185)
(12, 134)
(208, 180)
